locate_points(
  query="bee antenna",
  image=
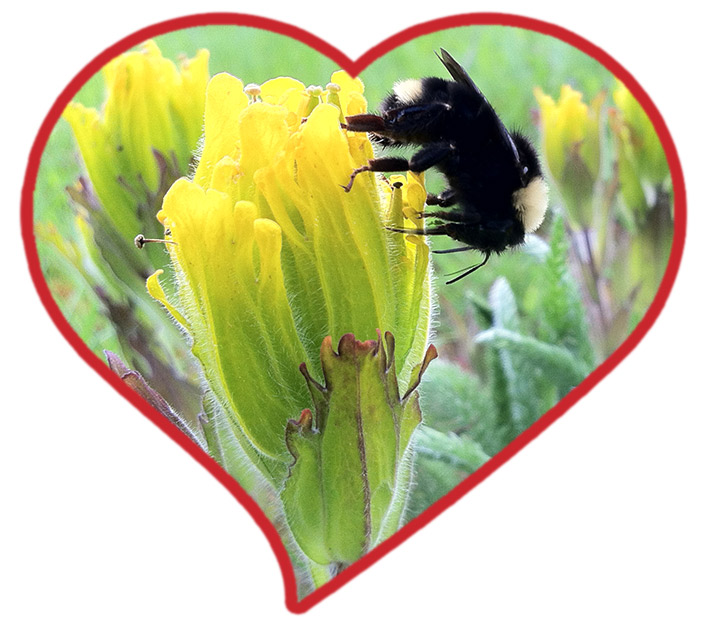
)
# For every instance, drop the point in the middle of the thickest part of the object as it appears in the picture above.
(469, 270)
(436, 230)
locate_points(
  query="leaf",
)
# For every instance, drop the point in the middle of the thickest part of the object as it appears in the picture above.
(503, 303)
(453, 399)
(564, 320)
(137, 383)
(513, 383)
(555, 362)
(459, 451)
(443, 460)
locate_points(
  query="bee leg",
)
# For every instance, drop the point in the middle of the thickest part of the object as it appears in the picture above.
(382, 164)
(438, 230)
(461, 217)
(446, 199)
(431, 154)
(354, 173)
(424, 159)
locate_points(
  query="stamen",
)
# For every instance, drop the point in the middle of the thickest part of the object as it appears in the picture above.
(140, 241)
(314, 91)
(253, 91)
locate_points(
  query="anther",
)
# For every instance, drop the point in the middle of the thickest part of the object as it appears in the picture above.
(253, 91)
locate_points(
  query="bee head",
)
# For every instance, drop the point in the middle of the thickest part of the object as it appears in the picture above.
(530, 199)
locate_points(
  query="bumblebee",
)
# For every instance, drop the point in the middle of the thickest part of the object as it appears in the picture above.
(496, 192)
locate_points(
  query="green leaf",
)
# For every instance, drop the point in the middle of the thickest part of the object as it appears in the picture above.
(555, 362)
(453, 399)
(443, 461)
(564, 321)
(513, 384)
(459, 451)
(503, 303)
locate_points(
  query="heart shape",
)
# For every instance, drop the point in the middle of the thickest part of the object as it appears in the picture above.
(149, 404)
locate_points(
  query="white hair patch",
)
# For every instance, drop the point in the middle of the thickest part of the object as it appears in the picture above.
(531, 202)
(408, 90)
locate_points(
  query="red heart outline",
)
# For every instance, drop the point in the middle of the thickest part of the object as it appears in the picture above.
(354, 68)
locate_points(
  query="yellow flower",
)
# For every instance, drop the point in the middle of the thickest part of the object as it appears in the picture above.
(642, 164)
(150, 123)
(272, 256)
(274, 261)
(571, 132)
(133, 148)
(646, 201)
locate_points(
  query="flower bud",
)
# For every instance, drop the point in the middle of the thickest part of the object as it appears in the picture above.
(571, 132)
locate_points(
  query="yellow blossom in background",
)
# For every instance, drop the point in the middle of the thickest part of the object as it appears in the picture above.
(570, 126)
(642, 164)
(643, 135)
(645, 197)
(152, 106)
(571, 132)
(141, 139)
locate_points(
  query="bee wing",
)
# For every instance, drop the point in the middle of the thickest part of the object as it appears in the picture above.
(459, 74)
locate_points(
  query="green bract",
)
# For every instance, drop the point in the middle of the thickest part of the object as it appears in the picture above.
(352, 462)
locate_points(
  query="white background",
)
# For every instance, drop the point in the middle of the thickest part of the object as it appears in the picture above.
(109, 527)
